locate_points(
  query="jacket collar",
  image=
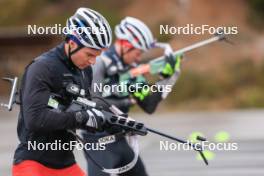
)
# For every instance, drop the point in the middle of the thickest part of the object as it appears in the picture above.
(63, 56)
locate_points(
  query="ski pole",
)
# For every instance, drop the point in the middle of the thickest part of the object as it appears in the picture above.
(196, 147)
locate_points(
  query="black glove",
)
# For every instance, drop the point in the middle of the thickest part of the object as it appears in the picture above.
(136, 83)
(90, 119)
(95, 120)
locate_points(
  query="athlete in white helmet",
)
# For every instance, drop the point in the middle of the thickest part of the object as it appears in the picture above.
(135, 32)
(133, 38)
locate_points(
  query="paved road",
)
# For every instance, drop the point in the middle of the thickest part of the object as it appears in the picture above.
(245, 128)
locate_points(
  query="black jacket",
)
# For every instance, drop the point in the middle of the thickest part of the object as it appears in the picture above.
(48, 75)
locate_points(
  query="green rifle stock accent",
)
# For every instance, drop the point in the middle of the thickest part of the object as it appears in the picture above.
(142, 94)
(124, 77)
(124, 82)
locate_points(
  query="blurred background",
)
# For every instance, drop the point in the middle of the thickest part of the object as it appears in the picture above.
(222, 78)
(217, 76)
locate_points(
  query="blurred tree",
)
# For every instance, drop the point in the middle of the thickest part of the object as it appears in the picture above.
(256, 15)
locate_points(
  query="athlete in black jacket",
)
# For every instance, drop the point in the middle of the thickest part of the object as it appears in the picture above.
(39, 121)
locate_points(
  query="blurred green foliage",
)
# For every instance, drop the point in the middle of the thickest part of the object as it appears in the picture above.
(243, 82)
(25, 10)
(46, 12)
(256, 14)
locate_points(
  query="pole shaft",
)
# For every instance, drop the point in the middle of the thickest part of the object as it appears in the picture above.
(193, 46)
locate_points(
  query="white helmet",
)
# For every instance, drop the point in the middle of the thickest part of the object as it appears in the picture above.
(136, 32)
(90, 28)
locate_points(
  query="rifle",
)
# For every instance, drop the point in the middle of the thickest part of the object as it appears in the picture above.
(115, 118)
(155, 66)
(13, 93)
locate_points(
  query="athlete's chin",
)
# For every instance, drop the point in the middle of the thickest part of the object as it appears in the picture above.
(84, 66)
